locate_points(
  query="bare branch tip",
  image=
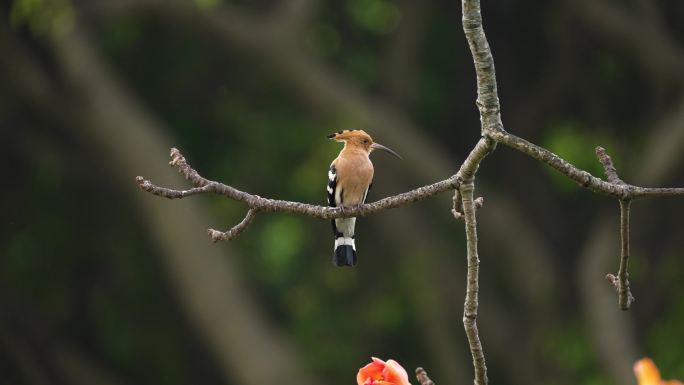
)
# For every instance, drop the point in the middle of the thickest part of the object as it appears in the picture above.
(215, 235)
(143, 183)
(176, 157)
(608, 167)
(603, 156)
(422, 377)
(613, 280)
(235, 230)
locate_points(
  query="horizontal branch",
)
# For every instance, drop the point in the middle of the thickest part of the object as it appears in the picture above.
(203, 185)
(618, 190)
(613, 187)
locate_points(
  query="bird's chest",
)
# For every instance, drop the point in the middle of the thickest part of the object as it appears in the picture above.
(356, 172)
(354, 176)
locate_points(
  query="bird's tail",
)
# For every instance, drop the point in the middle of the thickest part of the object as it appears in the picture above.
(345, 252)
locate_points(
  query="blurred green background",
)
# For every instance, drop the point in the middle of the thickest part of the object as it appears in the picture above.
(101, 283)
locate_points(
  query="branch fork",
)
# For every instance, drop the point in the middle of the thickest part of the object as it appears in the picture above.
(457, 209)
(621, 281)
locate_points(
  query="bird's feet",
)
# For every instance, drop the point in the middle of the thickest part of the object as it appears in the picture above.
(349, 209)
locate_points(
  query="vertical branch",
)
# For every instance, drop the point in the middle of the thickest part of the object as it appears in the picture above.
(625, 297)
(490, 121)
(472, 290)
(487, 94)
(621, 281)
(483, 147)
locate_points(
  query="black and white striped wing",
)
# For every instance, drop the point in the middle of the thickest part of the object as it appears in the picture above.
(332, 194)
(332, 185)
(343, 228)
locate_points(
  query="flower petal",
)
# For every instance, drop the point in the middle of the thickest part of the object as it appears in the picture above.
(395, 373)
(372, 371)
(646, 372)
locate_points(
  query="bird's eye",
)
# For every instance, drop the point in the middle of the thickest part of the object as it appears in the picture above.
(365, 141)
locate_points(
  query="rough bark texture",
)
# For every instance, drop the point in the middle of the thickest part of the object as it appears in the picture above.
(625, 297)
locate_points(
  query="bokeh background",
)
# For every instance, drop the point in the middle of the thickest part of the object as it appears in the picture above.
(101, 283)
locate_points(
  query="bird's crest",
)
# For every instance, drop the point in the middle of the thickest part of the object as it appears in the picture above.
(350, 134)
(355, 139)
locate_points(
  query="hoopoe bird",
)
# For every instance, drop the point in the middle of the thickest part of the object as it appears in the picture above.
(349, 179)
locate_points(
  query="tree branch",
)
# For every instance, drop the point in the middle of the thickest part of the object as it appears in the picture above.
(608, 167)
(621, 282)
(625, 297)
(582, 177)
(257, 203)
(457, 209)
(613, 335)
(487, 94)
(490, 120)
(470, 306)
(235, 230)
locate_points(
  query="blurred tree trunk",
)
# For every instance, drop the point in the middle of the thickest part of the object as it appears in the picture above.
(208, 285)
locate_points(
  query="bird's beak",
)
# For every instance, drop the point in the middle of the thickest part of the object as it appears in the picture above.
(378, 146)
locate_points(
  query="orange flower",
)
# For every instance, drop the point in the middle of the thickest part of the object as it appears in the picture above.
(379, 372)
(647, 373)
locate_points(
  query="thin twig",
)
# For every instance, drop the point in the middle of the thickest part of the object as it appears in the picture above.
(608, 167)
(235, 230)
(625, 297)
(621, 281)
(457, 205)
(170, 193)
(457, 208)
(422, 377)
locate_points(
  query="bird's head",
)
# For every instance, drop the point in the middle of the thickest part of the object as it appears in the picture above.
(359, 139)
